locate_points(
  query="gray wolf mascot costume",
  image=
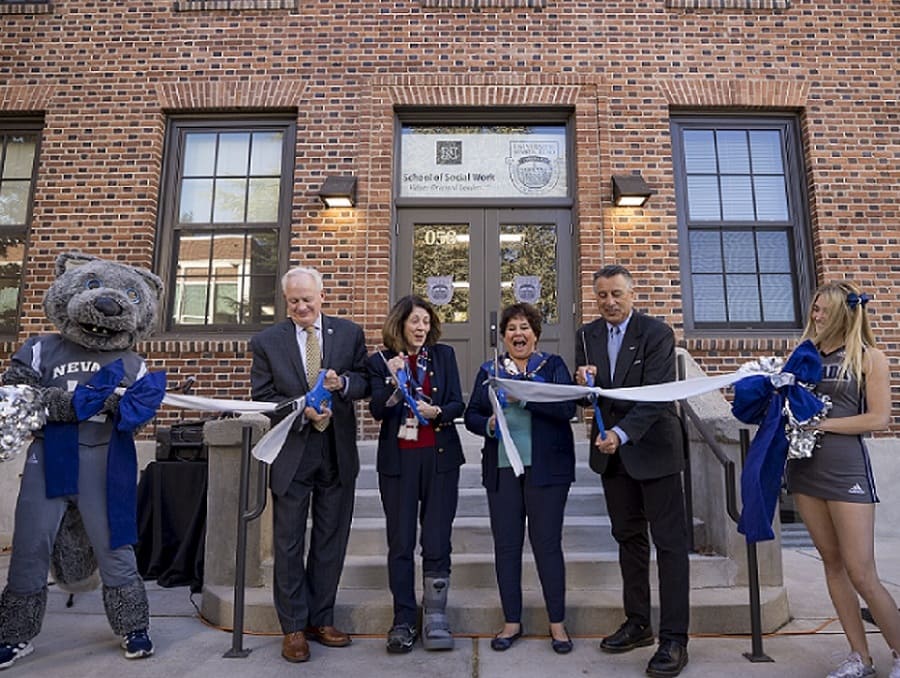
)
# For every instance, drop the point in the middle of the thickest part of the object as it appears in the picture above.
(84, 455)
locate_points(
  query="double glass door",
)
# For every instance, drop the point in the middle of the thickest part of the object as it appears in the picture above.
(471, 263)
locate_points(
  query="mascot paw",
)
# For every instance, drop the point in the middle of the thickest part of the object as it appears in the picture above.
(58, 402)
(111, 404)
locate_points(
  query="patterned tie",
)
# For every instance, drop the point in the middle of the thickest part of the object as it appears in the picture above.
(313, 365)
(612, 348)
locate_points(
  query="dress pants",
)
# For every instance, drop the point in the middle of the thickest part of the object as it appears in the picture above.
(514, 501)
(420, 494)
(658, 502)
(305, 593)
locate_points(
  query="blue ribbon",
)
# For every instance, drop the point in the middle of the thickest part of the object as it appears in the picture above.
(403, 385)
(137, 405)
(854, 299)
(598, 416)
(758, 400)
(319, 396)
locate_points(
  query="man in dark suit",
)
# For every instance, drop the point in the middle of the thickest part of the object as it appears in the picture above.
(319, 462)
(640, 460)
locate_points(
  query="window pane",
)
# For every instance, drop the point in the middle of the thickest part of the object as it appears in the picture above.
(709, 299)
(196, 201)
(743, 298)
(226, 303)
(774, 255)
(740, 252)
(706, 252)
(12, 256)
(778, 298)
(703, 198)
(737, 199)
(734, 156)
(19, 161)
(262, 202)
(234, 154)
(528, 267)
(266, 155)
(771, 199)
(229, 207)
(765, 146)
(14, 199)
(441, 268)
(699, 152)
(199, 155)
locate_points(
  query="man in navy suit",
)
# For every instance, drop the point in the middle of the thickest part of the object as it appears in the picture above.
(319, 462)
(640, 460)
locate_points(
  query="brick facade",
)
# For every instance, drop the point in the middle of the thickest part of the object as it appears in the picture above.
(104, 77)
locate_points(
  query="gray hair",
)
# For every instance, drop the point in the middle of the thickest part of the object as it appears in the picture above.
(303, 270)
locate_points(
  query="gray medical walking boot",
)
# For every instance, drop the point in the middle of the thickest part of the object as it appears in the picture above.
(435, 627)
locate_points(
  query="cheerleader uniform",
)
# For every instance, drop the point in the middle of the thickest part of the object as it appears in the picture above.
(839, 469)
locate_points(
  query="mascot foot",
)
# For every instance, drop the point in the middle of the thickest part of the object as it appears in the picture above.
(126, 608)
(137, 644)
(9, 654)
(21, 617)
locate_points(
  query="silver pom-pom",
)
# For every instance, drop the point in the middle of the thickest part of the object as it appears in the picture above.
(21, 412)
(802, 437)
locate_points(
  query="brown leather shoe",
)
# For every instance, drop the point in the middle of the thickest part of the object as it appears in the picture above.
(328, 636)
(294, 647)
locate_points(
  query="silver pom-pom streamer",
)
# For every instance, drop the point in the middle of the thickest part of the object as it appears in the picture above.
(21, 412)
(802, 437)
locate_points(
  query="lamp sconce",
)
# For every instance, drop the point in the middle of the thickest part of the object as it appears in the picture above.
(630, 190)
(338, 191)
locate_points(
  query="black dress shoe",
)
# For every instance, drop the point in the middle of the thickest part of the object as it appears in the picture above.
(628, 637)
(670, 658)
(503, 643)
(561, 646)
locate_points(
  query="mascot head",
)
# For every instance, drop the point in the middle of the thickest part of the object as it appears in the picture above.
(102, 305)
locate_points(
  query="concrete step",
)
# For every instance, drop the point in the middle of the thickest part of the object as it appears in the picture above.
(583, 500)
(477, 611)
(795, 535)
(476, 570)
(470, 475)
(472, 534)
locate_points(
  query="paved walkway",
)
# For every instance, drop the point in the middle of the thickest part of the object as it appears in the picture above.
(76, 642)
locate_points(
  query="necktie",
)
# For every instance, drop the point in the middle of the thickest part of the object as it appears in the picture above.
(313, 365)
(612, 348)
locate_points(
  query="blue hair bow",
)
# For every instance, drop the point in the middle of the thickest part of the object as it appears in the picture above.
(760, 399)
(854, 299)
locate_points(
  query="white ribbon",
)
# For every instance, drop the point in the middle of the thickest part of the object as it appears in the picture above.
(543, 392)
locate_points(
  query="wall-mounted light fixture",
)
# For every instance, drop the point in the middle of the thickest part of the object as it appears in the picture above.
(338, 191)
(630, 190)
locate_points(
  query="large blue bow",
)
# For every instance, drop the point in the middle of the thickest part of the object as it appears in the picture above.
(760, 399)
(137, 405)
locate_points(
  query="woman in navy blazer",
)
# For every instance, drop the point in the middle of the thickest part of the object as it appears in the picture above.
(419, 455)
(543, 436)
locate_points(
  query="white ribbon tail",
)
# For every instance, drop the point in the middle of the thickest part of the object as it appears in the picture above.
(200, 404)
(268, 447)
(512, 452)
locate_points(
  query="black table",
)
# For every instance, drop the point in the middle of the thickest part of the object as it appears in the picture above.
(172, 523)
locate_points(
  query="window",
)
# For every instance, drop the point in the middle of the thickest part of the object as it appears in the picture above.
(18, 167)
(743, 228)
(226, 216)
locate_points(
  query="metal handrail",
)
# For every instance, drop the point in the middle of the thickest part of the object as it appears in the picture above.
(756, 653)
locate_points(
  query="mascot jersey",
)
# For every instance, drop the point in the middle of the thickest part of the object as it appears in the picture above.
(65, 365)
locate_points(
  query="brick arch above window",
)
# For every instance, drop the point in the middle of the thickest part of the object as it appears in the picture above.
(26, 98)
(734, 93)
(230, 95)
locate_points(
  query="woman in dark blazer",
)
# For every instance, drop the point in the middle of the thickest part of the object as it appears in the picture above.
(543, 436)
(419, 455)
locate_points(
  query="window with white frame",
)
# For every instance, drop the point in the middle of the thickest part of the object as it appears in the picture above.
(226, 218)
(743, 226)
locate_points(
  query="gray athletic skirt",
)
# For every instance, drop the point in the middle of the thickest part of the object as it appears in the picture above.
(839, 470)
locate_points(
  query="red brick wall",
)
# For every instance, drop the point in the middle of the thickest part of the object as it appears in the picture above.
(104, 77)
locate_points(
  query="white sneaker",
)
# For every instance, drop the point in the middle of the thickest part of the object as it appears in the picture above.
(853, 667)
(895, 669)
